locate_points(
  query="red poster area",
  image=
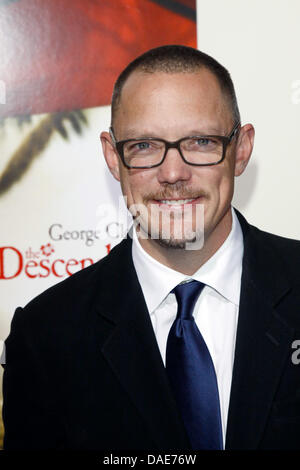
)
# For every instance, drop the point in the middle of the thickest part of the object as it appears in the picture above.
(60, 55)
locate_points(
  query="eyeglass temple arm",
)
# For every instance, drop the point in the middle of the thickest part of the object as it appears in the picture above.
(234, 131)
(111, 133)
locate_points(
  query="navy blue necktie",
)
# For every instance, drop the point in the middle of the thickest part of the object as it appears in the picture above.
(191, 373)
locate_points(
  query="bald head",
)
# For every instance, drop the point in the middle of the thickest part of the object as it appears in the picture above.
(174, 59)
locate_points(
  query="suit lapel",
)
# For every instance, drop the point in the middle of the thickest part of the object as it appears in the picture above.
(132, 352)
(262, 344)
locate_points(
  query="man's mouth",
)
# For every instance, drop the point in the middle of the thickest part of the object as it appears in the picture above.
(176, 203)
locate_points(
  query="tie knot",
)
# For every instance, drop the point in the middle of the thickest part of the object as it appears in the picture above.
(186, 296)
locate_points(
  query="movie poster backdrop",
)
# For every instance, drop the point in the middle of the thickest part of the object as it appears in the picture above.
(60, 209)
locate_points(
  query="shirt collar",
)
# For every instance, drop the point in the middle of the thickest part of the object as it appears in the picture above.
(222, 272)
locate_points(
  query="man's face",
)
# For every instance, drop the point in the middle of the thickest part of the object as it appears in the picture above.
(173, 106)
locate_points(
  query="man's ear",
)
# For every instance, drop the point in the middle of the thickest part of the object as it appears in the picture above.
(110, 155)
(244, 148)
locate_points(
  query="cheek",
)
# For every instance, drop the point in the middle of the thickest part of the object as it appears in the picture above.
(125, 186)
(218, 182)
(225, 187)
(127, 192)
(140, 182)
(132, 188)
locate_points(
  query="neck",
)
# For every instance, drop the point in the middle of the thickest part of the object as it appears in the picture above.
(189, 261)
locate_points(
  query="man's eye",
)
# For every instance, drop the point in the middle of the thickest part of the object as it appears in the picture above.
(142, 145)
(197, 143)
(136, 146)
(201, 142)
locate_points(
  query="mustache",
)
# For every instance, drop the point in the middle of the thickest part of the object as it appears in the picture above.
(176, 191)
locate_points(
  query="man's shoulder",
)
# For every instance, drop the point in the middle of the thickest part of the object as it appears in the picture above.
(78, 291)
(275, 250)
(278, 241)
(262, 236)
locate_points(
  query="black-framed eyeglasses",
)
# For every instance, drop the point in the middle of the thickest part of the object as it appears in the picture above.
(198, 150)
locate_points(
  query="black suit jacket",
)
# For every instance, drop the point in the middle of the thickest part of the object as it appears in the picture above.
(83, 369)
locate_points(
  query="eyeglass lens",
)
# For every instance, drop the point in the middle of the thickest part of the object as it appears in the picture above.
(197, 150)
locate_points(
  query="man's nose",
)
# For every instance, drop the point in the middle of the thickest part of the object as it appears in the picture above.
(173, 168)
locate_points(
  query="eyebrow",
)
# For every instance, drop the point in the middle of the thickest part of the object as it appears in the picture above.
(134, 134)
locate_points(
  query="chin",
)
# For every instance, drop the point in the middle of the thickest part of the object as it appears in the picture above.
(192, 242)
(172, 243)
(172, 237)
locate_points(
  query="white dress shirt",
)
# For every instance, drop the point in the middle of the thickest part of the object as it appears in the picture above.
(215, 312)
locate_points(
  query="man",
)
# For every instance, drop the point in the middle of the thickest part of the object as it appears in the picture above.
(181, 338)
